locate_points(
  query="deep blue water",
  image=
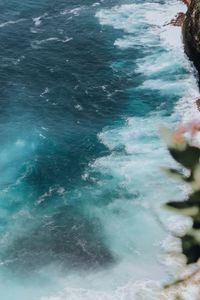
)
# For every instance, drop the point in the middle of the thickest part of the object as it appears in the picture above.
(55, 98)
(83, 90)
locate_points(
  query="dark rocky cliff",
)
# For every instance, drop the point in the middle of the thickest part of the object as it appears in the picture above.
(191, 32)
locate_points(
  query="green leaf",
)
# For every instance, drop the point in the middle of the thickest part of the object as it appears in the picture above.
(189, 157)
(191, 248)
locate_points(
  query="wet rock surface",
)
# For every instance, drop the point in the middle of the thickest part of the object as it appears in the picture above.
(198, 103)
(191, 33)
(178, 20)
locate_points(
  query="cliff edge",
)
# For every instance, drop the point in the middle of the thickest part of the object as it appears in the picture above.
(191, 32)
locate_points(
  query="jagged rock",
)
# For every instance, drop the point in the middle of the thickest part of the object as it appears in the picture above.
(187, 2)
(178, 20)
(198, 103)
(191, 32)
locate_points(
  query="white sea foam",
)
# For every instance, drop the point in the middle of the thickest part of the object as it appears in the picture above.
(59, 190)
(75, 11)
(165, 62)
(149, 290)
(46, 91)
(11, 23)
(95, 4)
(36, 44)
(132, 291)
(132, 18)
(38, 20)
(66, 39)
(78, 107)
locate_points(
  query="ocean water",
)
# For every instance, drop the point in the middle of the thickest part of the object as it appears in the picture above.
(84, 88)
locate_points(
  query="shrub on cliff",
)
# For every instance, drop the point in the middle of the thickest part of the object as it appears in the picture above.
(183, 146)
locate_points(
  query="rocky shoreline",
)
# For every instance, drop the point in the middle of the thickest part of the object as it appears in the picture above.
(191, 33)
(179, 19)
(191, 36)
(190, 23)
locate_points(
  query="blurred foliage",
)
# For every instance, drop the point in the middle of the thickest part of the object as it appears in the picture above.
(183, 147)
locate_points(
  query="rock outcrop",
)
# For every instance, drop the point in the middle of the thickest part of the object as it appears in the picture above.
(187, 2)
(178, 20)
(191, 32)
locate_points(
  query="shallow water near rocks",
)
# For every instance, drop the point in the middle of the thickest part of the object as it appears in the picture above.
(84, 89)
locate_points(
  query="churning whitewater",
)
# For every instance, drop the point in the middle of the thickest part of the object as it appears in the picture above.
(84, 90)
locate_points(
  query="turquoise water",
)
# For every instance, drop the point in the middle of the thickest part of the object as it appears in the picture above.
(84, 89)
